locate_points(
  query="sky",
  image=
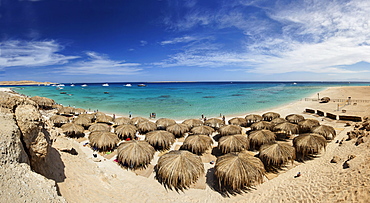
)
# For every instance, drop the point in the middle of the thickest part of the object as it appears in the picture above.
(184, 40)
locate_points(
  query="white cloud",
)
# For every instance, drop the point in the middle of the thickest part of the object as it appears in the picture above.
(143, 43)
(31, 54)
(176, 40)
(101, 65)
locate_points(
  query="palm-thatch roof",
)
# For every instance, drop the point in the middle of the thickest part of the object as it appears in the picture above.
(84, 121)
(99, 127)
(135, 154)
(160, 139)
(260, 137)
(73, 130)
(270, 116)
(57, 106)
(178, 129)
(214, 123)
(104, 119)
(253, 118)
(79, 111)
(325, 130)
(309, 144)
(126, 131)
(233, 143)
(238, 121)
(146, 126)
(238, 171)
(99, 113)
(193, 122)
(229, 130)
(88, 116)
(137, 120)
(262, 125)
(197, 144)
(306, 125)
(43, 102)
(202, 130)
(178, 169)
(276, 154)
(294, 118)
(103, 140)
(287, 128)
(163, 123)
(122, 121)
(67, 110)
(278, 121)
(325, 100)
(58, 119)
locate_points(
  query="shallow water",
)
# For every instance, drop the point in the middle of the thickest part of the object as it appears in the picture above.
(181, 100)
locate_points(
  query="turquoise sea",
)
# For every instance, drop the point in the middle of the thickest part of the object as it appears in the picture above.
(181, 100)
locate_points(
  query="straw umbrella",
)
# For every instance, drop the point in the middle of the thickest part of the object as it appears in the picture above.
(99, 127)
(73, 130)
(122, 121)
(178, 169)
(178, 129)
(260, 137)
(84, 121)
(325, 100)
(59, 120)
(193, 122)
(69, 111)
(214, 123)
(233, 143)
(270, 116)
(99, 113)
(79, 111)
(276, 154)
(126, 131)
(104, 119)
(90, 117)
(197, 144)
(238, 121)
(163, 123)
(103, 140)
(306, 125)
(202, 130)
(43, 102)
(238, 171)
(56, 106)
(230, 130)
(325, 130)
(278, 121)
(253, 118)
(160, 139)
(262, 125)
(135, 154)
(286, 128)
(137, 120)
(294, 118)
(146, 126)
(309, 144)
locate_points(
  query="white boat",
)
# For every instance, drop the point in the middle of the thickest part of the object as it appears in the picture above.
(294, 83)
(141, 85)
(72, 85)
(60, 85)
(84, 85)
(59, 88)
(105, 85)
(128, 85)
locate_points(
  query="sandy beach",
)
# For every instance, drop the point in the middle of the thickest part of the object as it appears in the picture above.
(84, 179)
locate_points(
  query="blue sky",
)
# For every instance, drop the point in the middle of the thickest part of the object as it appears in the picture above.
(178, 40)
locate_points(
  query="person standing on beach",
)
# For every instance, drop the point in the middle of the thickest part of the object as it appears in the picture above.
(129, 114)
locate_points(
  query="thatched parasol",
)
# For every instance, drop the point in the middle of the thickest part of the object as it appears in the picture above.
(59, 120)
(287, 128)
(276, 154)
(270, 116)
(73, 130)
(178, 129)
(104, 119)
(238, 121)
(43, 102)
(325, 100)
(178, 169)
(99, 127)
(135, 154)
(260, 137)
(311, 143)
(69, 111)
(122, 121)
(230, 130)
(197, 144)
(325, 130)
(202, 130)
(57, 106)
(126, 131)
(193, 122)
(278, 121)
(214, 123)
(146, 126)
(137, 120)
(79, 111)
(97, 114)
(163, 123)
(294, 118)
(253, 118)
(238, 171)
(306, 125)
(262, 125)
(88, 116)
(160, 139)
(104, 141)
(233, 143)
(84, 121)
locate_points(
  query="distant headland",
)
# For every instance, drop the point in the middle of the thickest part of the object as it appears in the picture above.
(24, 82)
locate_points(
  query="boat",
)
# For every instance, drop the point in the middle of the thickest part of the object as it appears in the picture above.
(72, 85)
(63, 92)
(106, 92)
(59, 88)
(294, 83)
(128, 85)
(84, 85)
(105, 85)
(141, 85)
